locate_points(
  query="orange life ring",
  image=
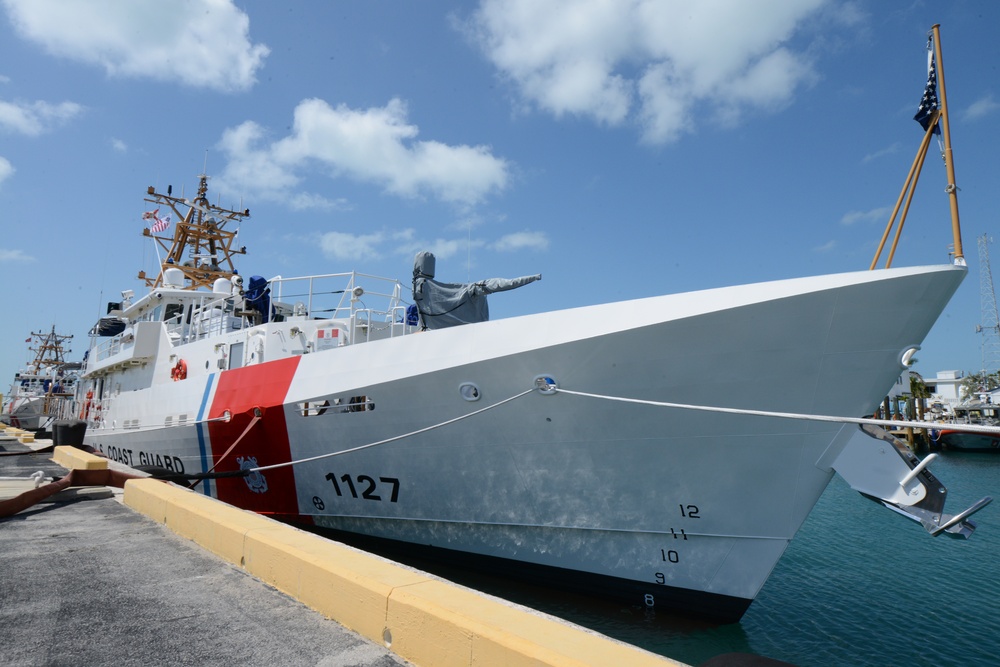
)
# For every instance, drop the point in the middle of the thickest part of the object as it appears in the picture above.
(179, 371)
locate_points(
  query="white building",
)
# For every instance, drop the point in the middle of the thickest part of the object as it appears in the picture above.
(945, 389)
(947, 386)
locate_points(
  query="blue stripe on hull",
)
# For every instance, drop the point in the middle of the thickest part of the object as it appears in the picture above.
(206, 485)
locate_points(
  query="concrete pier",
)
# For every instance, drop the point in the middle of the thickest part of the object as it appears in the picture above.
(157, 574)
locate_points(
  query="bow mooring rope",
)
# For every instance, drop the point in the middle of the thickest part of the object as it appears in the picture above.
(395, 437)
(974, 428)
(547, 386)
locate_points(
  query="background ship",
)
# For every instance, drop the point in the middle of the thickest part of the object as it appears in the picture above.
(42, 391)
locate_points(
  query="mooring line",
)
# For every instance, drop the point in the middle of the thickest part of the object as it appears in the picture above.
(974, 428)
(394, 438)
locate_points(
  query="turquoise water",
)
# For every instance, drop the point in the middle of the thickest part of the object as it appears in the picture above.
(859, 585)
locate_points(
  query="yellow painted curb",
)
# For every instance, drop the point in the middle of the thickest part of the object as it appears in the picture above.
(77, 459)
(340, 582)
(434, 617)
(423, 619)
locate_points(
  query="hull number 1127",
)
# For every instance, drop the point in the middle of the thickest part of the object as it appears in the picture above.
(366, 487)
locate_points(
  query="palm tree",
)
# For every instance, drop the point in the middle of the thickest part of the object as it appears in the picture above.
(975, 383)
(918, 388)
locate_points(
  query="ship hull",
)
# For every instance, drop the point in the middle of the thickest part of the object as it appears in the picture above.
(664, 507)
(27, 414)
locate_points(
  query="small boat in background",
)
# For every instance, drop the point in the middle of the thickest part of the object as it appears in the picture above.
(43, 391)
(954, 438)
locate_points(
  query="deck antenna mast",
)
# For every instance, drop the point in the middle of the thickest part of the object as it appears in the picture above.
(933, 117)
(50, 352)
(989, 325)
(201, 246)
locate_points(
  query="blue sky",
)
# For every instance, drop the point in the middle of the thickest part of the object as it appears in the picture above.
(620, 148)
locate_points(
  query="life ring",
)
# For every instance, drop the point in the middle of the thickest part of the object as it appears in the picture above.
(179, 371)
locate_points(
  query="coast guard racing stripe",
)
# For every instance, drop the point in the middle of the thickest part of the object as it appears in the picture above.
(240, 390)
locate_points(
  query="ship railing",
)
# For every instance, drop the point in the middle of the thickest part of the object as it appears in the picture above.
(374, 305)
(112, 346)
(62, 407)
(368, 325)
(210, 316)
(92, 410)
(136, 344)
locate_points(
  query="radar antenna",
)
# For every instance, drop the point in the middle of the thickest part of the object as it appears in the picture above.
(989, 325)
(201, 246)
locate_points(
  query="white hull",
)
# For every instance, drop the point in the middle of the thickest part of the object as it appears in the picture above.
(670, 507)
(34, 413)
(26, 413)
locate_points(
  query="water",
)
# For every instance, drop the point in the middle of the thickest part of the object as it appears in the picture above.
(862, 586)
(859, 585)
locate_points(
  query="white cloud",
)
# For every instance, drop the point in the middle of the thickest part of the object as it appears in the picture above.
(304, 201)
(406, 244)
(118, 145)
(201, 43)
(982, 107)
(448, 248)
(6, 169)
(14, 255)
(375, 145)
(880, 214)
(522, 241)
(344, 246)
(894, 148)
(37, 117)
(651, 61)
(338, 245)
(350, 247)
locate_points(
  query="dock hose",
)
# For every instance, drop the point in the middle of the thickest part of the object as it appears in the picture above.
(105, 477)
(41, 450)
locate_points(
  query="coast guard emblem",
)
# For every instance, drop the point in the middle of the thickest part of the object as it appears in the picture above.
(255, 480)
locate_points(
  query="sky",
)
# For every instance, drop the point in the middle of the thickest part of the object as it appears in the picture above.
(621, 148)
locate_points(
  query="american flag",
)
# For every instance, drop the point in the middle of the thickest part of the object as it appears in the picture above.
(929, 102)
(161, 224)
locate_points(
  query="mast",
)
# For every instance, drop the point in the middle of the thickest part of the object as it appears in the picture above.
(936, 121)
(949, 163)
(201, 246)
(50, 352)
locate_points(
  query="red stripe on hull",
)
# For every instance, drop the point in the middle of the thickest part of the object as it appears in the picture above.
(240, 391)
